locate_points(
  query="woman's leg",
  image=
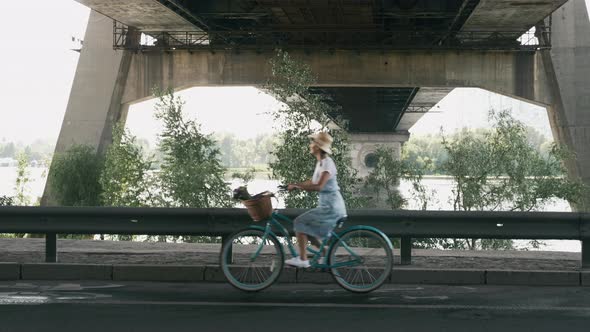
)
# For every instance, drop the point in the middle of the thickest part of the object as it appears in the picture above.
(302, 244)
(316, 242)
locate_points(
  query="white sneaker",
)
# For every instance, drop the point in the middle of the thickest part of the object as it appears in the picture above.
(297, 262)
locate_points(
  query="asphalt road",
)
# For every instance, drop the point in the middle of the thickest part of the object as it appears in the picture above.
(142, 306)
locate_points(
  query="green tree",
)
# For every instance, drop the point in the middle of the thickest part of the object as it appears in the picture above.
(385, 178)
(245, 176)
(425, 152)
(227, 149)
(23, 179)
(239, 153)
(6, 201)
(303, 114)
(535, 138)
(500, 170)
(124, 178)
(8, 150)
(191, 173)
(75, 176)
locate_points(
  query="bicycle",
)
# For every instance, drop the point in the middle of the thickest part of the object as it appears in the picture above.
(360, 258)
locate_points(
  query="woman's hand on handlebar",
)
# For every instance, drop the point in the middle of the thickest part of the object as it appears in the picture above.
(288, 187)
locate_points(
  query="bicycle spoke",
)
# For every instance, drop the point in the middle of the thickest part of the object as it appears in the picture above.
(349, 272)
(361, 260)
(260, 274)
(361, 275)
(370, 275)
(257, 260)
(353, 280)
(242, 274)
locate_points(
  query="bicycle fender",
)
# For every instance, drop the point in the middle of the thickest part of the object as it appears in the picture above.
(368, 228)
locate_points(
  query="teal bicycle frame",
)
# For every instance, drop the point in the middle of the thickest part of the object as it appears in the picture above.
(283, 232)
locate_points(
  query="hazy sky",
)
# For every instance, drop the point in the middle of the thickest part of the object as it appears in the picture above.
(37, 69)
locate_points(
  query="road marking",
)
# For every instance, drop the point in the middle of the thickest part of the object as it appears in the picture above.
(59, 287)
(398, 289)
(439, 297)
(332, 305)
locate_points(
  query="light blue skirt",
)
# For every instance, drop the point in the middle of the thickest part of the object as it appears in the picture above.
(320, 221)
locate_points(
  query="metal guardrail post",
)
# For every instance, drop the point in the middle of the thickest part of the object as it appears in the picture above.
(406, 250)
(586, 253)
(51, 248)
(585, 239)
(224, 238)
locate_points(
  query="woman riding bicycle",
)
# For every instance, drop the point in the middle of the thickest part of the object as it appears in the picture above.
(317, 223)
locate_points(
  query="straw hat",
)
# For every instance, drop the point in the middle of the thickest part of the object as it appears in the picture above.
(323, 141)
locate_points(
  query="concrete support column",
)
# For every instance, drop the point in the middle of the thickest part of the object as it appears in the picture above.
(95, 105)
(567, 67)
(363, 147)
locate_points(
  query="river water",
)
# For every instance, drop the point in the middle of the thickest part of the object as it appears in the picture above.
(441, 186)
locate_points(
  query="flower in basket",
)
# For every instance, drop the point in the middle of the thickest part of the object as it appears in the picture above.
(241, 193)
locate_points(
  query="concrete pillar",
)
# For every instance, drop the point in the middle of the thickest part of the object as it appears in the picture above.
(363, 146)
(567, 66)
(95, 105)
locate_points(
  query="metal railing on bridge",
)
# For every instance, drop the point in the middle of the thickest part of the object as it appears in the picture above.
(222, 222)
(357, 39)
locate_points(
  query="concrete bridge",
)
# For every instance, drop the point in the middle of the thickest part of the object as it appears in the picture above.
(385, 62)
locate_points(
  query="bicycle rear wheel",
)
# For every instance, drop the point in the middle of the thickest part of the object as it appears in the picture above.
(361, 260)
(252, 260)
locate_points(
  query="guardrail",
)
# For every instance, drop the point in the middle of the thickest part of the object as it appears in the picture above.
(222, 222)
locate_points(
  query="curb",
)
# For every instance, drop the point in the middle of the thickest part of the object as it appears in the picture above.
(534, 278)
(9, 271)
(438, 276)
(213, 273)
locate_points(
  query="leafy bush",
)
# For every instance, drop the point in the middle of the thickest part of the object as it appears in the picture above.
(75, 176)
(124, 179)
(386, 176)
(22, 180)
(501, 171)
(6, 201)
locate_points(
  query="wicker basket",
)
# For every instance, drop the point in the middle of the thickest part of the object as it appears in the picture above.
(259, 208)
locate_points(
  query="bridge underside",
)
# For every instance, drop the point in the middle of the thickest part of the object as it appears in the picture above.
(381, 109)
(331, 25)
(369, 109)
(324, 24)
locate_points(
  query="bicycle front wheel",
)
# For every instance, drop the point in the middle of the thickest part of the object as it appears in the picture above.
(252, 260)
(361, 260)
